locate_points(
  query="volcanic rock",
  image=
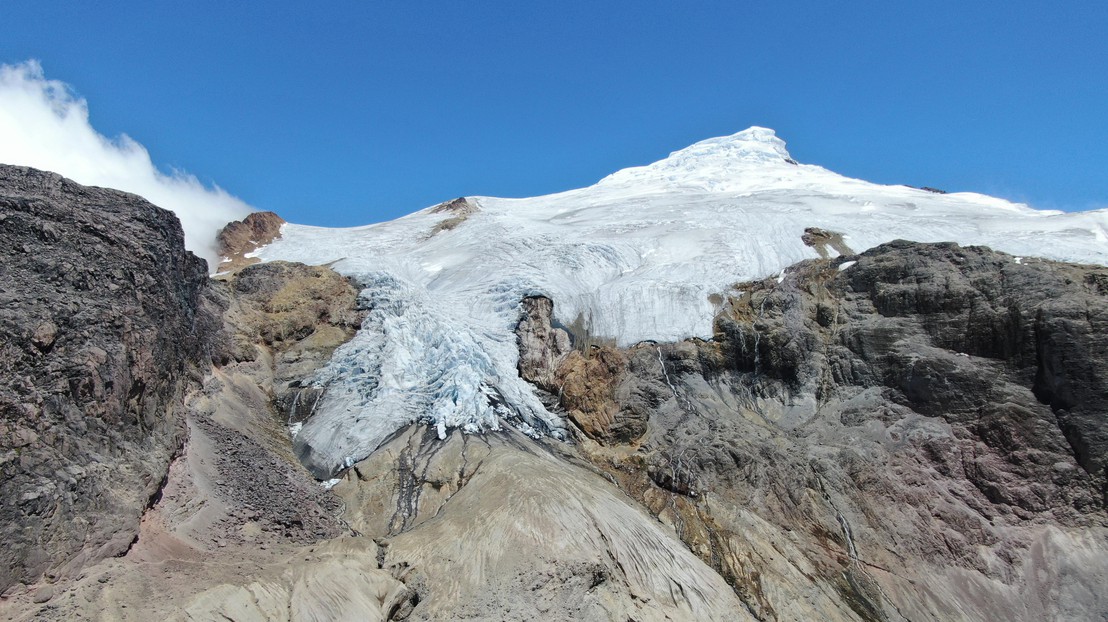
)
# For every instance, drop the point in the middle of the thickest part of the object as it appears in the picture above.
(101, 334)
(241, 237)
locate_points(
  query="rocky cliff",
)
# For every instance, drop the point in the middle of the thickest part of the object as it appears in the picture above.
(101, 334)
(914, 433)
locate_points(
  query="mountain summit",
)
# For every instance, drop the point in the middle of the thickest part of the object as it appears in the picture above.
(713, 164)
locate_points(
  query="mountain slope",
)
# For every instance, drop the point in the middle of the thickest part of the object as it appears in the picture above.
(894, 432)
(916, 431)
(642, 255)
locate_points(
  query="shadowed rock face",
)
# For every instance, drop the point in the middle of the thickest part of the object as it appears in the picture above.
(100, 334)
(917, 432)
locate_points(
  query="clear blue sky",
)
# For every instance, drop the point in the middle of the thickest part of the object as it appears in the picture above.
(343, 113)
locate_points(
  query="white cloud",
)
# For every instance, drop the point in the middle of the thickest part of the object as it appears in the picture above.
(45, 126)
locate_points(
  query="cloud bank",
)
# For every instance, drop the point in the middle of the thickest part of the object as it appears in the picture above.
(45, 126)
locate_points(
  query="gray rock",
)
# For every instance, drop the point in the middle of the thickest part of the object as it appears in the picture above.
(867, 443)
(542, 346)
(100, 325)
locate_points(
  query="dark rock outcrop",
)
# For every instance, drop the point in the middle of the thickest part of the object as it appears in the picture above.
(459, 209)
(101, 333)
(820, 239)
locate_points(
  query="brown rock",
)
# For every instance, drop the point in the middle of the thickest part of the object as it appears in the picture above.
(542, 348)
(244, 236)
(460, 210)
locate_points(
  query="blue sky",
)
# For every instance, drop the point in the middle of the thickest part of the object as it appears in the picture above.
(344, 113)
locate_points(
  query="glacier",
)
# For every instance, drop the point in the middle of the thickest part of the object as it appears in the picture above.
(635, 257)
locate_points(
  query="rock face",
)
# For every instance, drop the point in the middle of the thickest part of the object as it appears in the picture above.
(503, 527)
(242, 237)
(820, 239)
(288, 317)
(240, 530)
(459, 211)
(542, 348)
(101, 333)
(915, 432)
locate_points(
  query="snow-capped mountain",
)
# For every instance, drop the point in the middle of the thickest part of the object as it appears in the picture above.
(636, 256)
(913, 432)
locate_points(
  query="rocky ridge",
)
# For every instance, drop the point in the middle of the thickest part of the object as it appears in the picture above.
(876, 437)
(236, 241)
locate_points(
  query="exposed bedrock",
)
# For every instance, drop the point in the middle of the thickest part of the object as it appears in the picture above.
(915, 432)
(281, 322)
(240, 530)
(242, 237)
(591, 383)
(102, 331)
(501, 526)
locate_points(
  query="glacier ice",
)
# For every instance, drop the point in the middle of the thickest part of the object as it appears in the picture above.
(634, 257)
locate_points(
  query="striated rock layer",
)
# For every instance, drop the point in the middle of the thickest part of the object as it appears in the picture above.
(917, 432)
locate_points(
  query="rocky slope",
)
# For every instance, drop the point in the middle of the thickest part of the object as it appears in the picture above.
(101, 334)
(239, 528)
(147, 472)
(914, 433)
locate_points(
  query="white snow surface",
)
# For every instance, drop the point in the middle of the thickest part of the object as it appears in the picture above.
(633, 257)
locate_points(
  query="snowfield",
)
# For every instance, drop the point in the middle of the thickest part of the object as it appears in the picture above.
(634, 257)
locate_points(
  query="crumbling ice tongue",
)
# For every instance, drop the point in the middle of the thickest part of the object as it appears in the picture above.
(410, 362)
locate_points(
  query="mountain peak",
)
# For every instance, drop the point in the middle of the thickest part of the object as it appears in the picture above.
(754, 144)
(709, 162)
